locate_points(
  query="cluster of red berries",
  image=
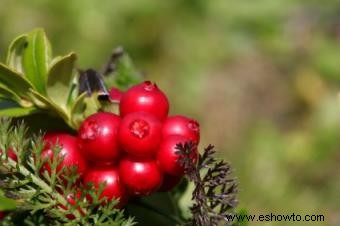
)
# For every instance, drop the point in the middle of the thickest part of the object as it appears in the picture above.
(134, 153)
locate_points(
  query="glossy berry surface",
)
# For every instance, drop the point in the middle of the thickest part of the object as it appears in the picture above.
(140, 134)
(113, 189)
(69, 151)
(98, 138)
(168, 158)
(146, 97)
(141, 177)
(169, 182)
(183, 126)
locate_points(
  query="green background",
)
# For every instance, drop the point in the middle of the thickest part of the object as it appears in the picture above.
(262, 77)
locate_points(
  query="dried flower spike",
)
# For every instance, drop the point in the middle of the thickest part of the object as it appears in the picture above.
(215, 191)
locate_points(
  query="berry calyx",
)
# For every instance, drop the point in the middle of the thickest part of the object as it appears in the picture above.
(183, 126)
(113, 189)
(141, 177)
(140, 134)
(167, 156)
(98, 138)
(145, 97)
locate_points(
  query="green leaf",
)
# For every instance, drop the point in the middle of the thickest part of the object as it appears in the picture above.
(156, 209)
(92, 104)
(77, 111)
(83, 107)
(6, 203)
(36, 58)
(6, 93)
(39, 99)
(125, 74)
(17, 111)
(14, 81)
(59, 80)
(15, 52)
(12, 109)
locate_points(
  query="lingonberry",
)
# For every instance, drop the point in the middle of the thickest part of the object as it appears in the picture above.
(115, 94)
(71, 199)
(167, 156)
(113, 189)
(169, 182)
(2, 215)
(98, 138)
(141, 177)
(69, 151)
(11, 154)
(140, 134)
(183, 126)
(146, 97)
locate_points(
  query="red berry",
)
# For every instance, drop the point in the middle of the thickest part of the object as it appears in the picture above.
(141, 177)
(71, 199)
(183, 126)
(115, 94)
(168, 158)
(98, 138)
(113, 189)
(2, 215)
(140, 134)
(145, 97)
(169, 182)
(11, 154)
(69, 151)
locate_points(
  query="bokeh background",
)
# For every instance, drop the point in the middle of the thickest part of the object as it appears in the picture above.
(261, 76)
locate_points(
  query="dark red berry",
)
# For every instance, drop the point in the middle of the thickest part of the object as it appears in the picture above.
(98, 138)
(2, 215)
(169, 182)
(140, 134)
(70, 152)
(11, 154)
(183, 126)
(141, 177)
(146, 97)
(168, 158)
(114, 188)
(115, 94)
(71, 199)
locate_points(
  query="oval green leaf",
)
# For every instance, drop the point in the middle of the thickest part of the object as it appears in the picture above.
(36, 58)
(14, 81)
(40, 99)
(77, 111)
(59, 80)
(15, 52)
(12, 109)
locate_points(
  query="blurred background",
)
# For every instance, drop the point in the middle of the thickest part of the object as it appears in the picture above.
(262, 78)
